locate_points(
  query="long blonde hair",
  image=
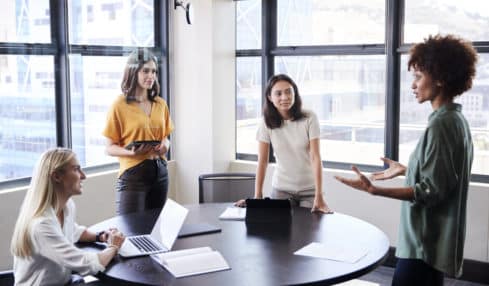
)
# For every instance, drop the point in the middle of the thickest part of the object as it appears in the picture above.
(39, 197)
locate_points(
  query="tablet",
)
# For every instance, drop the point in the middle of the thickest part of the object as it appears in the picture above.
(139, 143)
(197, 229)
(268, 211)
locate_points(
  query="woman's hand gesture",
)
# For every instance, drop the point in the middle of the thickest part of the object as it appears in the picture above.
(360, 183)
(395, 169)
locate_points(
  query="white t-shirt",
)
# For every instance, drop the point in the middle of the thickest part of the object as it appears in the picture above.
(291, 146)
(54, 253)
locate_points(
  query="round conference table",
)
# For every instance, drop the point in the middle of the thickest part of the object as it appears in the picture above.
(258, 254)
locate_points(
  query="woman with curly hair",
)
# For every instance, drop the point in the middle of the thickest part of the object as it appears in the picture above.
(433, 213)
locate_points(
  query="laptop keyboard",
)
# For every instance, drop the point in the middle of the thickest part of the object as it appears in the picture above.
(144, 244)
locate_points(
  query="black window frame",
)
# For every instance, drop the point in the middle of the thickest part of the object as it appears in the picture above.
(60, 49)
(393, 49)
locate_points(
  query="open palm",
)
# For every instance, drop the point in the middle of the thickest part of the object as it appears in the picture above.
(361, 182)
(395, 169)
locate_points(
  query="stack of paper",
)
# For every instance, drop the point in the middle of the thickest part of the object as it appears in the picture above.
(233, 213)
(192, 261)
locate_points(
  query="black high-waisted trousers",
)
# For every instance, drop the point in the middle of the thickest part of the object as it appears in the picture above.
(142, 187)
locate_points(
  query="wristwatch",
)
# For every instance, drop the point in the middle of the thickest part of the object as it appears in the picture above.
(98, 235)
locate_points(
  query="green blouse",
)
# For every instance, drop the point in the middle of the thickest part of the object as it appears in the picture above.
(432, 226)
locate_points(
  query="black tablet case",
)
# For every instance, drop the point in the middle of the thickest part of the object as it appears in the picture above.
(268, 210)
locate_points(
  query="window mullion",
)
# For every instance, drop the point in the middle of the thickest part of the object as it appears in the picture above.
(392, 101)
(269, 43)
(59, 38)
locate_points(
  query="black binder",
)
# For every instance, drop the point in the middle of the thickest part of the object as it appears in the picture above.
(268, 210)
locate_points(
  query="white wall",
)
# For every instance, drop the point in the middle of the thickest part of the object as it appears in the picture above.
(202, 97)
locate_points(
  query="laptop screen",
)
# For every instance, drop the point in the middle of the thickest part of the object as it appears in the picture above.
(169, 222)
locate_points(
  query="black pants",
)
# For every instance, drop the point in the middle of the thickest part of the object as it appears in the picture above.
(142, 187)
(416, 272)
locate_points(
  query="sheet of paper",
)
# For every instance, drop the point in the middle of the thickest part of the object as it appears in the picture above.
(233, 213)
(334, 251)
(192, 261)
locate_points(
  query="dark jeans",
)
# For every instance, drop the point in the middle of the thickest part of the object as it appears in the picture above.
(142, 187)
(416, 272)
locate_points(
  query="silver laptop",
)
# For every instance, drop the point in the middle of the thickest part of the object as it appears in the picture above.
(163, 235)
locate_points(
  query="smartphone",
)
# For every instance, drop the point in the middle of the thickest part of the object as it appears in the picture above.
(136, 144)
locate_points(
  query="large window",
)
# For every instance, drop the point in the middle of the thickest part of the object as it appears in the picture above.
(347, 94)
(61, 65)
(349, 59)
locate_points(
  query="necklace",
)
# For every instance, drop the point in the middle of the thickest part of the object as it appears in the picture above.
(145, 106)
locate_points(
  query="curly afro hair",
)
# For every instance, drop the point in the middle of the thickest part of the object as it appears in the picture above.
(448, 59)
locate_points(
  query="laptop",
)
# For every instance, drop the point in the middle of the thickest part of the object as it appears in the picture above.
(163, 235)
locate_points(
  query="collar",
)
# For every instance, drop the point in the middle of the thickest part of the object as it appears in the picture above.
(452, 106)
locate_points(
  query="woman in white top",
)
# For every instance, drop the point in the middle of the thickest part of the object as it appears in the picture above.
(294, 135)
(45, 232)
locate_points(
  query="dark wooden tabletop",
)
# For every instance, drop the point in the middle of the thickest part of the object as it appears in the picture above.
(259, 254)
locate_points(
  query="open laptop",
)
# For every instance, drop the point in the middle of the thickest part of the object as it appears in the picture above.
(163, 235)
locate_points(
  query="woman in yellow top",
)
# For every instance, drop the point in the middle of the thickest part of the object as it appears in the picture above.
(139, 114)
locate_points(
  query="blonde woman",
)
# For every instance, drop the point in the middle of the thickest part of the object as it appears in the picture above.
(45, 232)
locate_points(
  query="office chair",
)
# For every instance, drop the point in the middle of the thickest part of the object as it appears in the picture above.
(7, 278)
(226, 187)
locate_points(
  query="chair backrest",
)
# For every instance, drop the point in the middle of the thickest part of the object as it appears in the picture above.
(226, 187)
(6, 278)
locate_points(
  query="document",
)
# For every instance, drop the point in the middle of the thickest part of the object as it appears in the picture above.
(334, 251)
(233, 213)
(191, 261)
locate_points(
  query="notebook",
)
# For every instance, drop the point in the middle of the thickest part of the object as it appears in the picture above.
(163, 235)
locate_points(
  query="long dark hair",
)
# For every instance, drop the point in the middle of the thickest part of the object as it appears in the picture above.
(135, 62)
(272, 117)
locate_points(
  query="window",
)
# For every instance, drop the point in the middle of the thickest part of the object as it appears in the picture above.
(248, 24)
(248, 103)
(28, 123)
(53, 98)
(118, 23)
(94, 86)
(319, 22)
(349, 59)
(468, 18)
(24, 21)
(347, 94)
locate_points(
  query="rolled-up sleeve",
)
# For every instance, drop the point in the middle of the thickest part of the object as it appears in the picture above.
(437, 173)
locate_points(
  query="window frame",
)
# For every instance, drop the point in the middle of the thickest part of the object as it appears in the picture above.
(61, 49)
(393, 49)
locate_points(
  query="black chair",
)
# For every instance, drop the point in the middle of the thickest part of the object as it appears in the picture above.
(226, 187)
(6, 278)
